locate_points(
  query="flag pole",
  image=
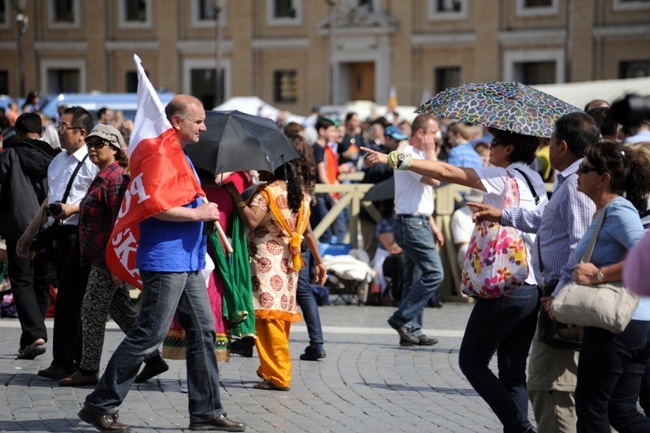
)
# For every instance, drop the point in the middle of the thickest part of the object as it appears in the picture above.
(222, 234)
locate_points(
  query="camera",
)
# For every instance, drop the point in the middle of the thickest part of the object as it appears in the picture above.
(53, 209)
(631, 109)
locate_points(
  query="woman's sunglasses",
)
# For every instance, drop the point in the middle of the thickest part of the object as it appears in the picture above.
(584, 168)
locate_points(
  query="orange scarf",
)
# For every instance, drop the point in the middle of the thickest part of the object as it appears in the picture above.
(295, 237)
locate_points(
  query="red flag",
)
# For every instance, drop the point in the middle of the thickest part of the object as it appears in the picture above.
(161, 179)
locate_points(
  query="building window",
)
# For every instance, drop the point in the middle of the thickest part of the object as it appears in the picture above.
(135, 13)
(64, 80)
(203, 87)
(64, 13)
(4, 83)
(63, 76)
(4, 13)
(448, 10)
(285, 87)
(203, 14)
(446, 77)
(630, 5)
(534, 66)
(131, 82)
(633, 69)
(535, 72)
(284, 12)
(528, 8)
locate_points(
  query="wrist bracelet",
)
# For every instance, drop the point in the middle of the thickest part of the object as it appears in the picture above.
(241, 204)
(400, 160)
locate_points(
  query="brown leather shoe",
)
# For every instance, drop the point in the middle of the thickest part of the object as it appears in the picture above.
(220, 423)
(104, 422)
(80, 379)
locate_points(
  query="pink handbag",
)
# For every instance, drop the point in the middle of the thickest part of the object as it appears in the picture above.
(496, 262)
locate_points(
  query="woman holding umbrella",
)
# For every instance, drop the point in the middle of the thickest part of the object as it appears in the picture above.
(504, 324)
(277, 217)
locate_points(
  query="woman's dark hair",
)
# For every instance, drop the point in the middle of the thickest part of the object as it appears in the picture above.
(629, 169)
(121, 157)
(294, 188)
(292, 128)
(525, 146)
(306, 166)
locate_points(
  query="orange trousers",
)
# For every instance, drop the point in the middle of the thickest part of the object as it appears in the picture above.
(273, 350)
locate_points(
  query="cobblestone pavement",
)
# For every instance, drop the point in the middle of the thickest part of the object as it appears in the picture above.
(367, 383)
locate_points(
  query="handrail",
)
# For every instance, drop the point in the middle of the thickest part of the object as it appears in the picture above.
(447, 199)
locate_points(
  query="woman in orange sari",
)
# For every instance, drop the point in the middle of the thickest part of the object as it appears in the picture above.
(277, 219)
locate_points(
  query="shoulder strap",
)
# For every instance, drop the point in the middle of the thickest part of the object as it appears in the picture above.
(74, 174)
(530, 185)
(586, 256)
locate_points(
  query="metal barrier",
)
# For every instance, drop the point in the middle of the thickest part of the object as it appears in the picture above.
(448, 198)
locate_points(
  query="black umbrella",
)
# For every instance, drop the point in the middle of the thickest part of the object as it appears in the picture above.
(384, 190)
(237, 141)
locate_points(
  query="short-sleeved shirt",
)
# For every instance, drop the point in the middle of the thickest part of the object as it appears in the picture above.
(412, 197)
(620, 230)
(58, 176)
(494, 180)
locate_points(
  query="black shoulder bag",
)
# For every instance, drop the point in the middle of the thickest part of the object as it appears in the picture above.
(46, 242)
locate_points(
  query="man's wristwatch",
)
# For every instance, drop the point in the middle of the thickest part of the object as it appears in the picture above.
(400, 159)
(600, 276)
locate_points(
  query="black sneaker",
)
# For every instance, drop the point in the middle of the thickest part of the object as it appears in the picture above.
(313, 353)
(243, 347)
(405, 334)
(423, 340)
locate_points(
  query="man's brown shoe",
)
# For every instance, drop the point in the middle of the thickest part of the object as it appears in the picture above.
(104, 422)
(220, 423)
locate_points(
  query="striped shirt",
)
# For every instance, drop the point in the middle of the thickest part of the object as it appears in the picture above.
(559, 227)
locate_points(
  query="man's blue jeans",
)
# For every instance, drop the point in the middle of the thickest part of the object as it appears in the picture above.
(610, 370)
(504, 325)
(423, 272)
(163, 294)
(307, 302)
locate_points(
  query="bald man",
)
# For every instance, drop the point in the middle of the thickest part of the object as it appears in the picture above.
(170, 257)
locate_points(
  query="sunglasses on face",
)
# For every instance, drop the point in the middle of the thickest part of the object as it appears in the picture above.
(584, 168)
(97, 144)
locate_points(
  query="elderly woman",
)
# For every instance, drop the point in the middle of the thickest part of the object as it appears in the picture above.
(277, 217)
(504, 324)
(105, 293)
(611, 366)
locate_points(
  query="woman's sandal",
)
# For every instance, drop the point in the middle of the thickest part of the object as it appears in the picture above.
(270, 386)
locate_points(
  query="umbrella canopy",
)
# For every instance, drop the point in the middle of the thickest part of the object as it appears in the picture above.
(237, 141)
(384, 190)
(509, 106)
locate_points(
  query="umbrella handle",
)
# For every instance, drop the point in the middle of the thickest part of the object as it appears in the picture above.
(222, 235)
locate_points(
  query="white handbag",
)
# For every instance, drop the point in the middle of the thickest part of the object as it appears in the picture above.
(608, 306)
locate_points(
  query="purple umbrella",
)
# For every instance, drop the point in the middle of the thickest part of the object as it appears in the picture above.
(509, 106)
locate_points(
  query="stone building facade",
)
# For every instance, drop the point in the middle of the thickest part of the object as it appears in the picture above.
(286, 52)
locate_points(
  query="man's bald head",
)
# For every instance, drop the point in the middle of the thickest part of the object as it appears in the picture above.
(187, 116)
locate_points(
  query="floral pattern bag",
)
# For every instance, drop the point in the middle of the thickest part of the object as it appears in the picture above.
(496, 262)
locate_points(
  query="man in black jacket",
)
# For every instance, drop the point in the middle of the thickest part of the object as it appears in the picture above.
(23, 186)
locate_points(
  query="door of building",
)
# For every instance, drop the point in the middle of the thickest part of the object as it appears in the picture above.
(362, 81)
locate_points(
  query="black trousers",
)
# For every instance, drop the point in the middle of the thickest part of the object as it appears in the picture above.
(30, 284)
(72, 279)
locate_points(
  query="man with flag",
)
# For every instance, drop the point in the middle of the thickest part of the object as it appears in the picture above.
(161, 224)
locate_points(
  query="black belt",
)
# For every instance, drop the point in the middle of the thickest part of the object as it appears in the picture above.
(407, 216)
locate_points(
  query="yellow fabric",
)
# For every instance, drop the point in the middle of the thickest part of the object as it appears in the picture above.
(273, 350)
(295, 237)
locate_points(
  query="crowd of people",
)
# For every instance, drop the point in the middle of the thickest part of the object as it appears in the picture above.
(71, 193)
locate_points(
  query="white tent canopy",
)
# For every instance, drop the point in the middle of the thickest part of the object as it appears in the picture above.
(580, 93)
(255, 106)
